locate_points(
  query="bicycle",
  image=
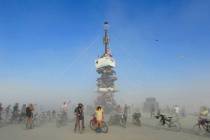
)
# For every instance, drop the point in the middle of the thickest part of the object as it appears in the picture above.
(202, 126)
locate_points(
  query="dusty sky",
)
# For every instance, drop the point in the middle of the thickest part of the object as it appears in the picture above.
(47, 50)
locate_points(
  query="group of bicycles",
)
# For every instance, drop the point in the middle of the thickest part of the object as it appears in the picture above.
(121, 119)
(39, 119)
(11, 118)
(62, 120)
(116, 119)
(201, 127)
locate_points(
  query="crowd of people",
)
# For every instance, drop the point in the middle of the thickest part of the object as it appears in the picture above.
(26, 114)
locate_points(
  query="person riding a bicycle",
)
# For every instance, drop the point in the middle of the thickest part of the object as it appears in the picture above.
(203, 123)
(203, 115)
(99, 114)
(204, 112)
(136, 117)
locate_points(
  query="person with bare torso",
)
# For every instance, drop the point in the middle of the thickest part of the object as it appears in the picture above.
(29, 115)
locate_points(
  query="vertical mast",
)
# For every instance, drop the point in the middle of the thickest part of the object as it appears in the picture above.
(106, 37)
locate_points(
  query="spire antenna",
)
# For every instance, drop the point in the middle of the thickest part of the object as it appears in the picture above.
(106, 37)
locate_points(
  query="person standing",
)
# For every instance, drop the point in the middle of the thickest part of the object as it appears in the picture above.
(29, 116)
(1, 110)
(8, 110)
(64, 109)
(15, 113)
(83, 118)
(79, 115)
(23, 112)
(152, 111)
(99, 114)
(125, 112)
(53, 114)
(176, 110)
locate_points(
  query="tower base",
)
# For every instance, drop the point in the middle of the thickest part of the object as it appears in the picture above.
(107, 101)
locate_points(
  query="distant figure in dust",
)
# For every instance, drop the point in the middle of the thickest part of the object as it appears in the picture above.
(49, 115)
(183, 112)
(125, 112)
(16, 108)
(53, 114)
(64, 109)
(99, 114)
(158, 111)
(23, 112)
(176, 110)
(79, 115)
(8, 110)
(152, 111)
(15, 113)
(1, 110)
(119, 110)
(29, 115)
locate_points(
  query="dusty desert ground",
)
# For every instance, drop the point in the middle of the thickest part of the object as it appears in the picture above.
(146, 132)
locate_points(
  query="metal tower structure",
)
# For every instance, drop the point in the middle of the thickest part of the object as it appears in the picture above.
(105, 68)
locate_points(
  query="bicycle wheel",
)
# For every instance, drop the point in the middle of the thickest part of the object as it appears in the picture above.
(138, 122)
(158, 125)
(58, 123)
(29, 126)
(176, 126)
(199, 129)
(123, 122)
(92, 126)
(104, 128)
